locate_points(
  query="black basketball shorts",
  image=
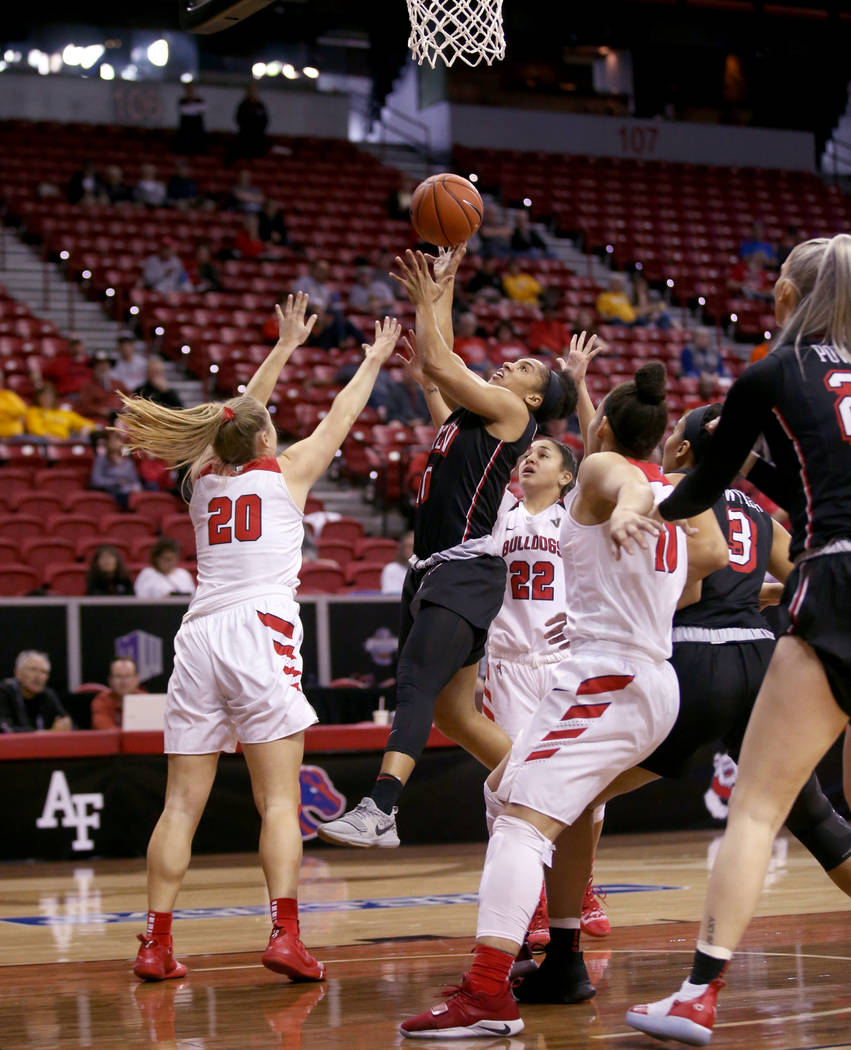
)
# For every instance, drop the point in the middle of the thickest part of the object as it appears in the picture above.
(718, 688)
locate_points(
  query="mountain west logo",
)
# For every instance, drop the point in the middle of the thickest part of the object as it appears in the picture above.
(74, 810)
(320, 800)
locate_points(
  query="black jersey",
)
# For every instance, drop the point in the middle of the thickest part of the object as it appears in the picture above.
(463, 482)
(730, 596)
(804, 411)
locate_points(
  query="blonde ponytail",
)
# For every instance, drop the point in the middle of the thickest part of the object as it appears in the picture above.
(820, 269)
(180, 437)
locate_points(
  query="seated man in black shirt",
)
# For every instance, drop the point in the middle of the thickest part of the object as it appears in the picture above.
(26, 704)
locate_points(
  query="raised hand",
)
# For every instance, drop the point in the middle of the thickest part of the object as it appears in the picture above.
(415, 277)
(293, 329)
(628, 527)
(409, 341)
(386, 337)
(446, 262)
(579, 356)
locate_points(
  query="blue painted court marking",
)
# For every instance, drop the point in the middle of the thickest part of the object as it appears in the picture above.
(305, 907)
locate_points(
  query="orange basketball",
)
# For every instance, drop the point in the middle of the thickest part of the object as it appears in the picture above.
(446, 209)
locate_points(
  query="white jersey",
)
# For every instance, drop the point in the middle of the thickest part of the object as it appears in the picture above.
(534, 586)
(628, 602)
(248, 536)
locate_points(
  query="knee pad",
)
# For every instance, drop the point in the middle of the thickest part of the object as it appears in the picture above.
(829, 840)
(527, 835)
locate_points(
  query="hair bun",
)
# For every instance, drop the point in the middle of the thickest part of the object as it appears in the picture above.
(650, 383)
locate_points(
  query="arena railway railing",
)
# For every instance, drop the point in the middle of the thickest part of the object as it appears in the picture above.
(345, 635)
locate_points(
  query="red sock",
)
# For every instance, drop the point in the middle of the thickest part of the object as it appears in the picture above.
(489, 972)
(159, 927)
(285, 914)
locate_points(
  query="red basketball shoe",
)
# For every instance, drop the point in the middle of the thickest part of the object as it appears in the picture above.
(466, 1013)
(538, 935)
(594, 920)
(287, 955)
(687, 1016)
(156, 962)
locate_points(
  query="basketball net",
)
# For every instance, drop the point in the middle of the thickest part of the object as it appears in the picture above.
(469, 30)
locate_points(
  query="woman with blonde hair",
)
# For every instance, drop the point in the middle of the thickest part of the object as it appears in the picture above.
(799, 398)
(237, 666)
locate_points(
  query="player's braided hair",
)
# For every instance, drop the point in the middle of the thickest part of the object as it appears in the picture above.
(637, 412)
(179, 437)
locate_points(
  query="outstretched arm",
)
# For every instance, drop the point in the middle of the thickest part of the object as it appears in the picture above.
(438, 409)
(293, 330)
(612, 489)
(305, 461)
(576, 364)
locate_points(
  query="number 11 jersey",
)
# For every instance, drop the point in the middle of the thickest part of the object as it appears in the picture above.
(534, 587)
(248, 536)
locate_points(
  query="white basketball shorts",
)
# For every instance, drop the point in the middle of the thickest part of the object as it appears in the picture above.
(607, 711)
(237, 677)
(514, 690)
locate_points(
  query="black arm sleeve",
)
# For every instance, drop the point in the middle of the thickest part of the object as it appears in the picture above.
(743, 418)
(769, 480)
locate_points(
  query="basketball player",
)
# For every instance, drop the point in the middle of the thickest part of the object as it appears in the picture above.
(721, 649)
(456, 582)
(237, 666)
(797, 398)
(616, 697)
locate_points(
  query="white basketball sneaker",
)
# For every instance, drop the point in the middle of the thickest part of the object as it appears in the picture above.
(687, 1016)
(366, 826)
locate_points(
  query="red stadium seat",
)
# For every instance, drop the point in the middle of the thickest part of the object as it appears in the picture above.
(60, 484)
(17, 579)
(375, 549)
(336, 550)
(126, 526)
(16, 479)
(66, 578)
(365, 576)
(316, 578)
(153, 505)
(73, 526)
(41, 551)
(179, 527)
(18, 527)
(40, 505)
(85, 547)
(9, 550)
(91, 503)
(140, 549)
(346, 530)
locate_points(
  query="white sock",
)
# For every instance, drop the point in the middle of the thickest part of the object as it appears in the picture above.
(493, 808)
(511, 880)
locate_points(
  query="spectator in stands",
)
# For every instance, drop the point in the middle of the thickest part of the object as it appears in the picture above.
(244, 195)
(506, 345)
(495, 232)
(182, 190)
(550, 335)
(471, 342)
(113, 471)
(586, 321)
(393, 574)
(156, 387)
(381, 271)
(69, 372)
(164, 576)
(46, 418)
(98, 398)
(149, 190)
(203, 273)
(520, 286)
(650, 308)
(107, 574)
(761, 350)
(791, 237)
(191, 134)
(247, 243)
(333, 330)
(399, 200)
(272, 224)
(85, 186)
(107, 706)
(486, 283)
(700, 358)
(27, 704)
(252, 119)
(315, 283)
(163, 271)
(13, 411)
(750, 279)
(525, 241)
(368, 296)
(614, 306)
(115, 189)
(131, 368)
(757, 243)
(413, 407)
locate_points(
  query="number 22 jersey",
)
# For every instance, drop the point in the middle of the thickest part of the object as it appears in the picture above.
(248, 536)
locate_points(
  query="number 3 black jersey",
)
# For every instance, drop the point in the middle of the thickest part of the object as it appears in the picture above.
(730, 596)
(804, 411)
(463, 483)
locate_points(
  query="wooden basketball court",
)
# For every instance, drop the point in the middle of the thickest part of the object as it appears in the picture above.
(395, 928)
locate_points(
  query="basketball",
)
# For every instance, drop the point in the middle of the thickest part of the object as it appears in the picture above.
(446, 209)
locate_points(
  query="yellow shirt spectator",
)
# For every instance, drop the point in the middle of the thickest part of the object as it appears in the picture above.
(46, 419)
(13, 409)
(521, 287)
(615, 305)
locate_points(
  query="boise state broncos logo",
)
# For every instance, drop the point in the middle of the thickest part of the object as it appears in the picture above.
(320, 800)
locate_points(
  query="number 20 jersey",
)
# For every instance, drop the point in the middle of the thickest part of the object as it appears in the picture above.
(248, 536)
(534, 587)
